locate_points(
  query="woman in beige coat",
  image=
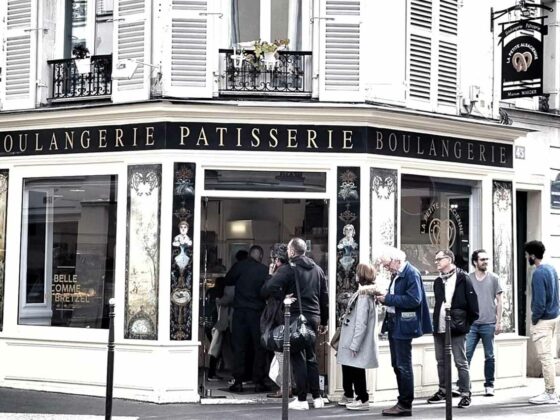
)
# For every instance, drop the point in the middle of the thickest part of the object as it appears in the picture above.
(357, 349)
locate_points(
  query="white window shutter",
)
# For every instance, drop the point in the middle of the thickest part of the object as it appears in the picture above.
(340, 55)
(132, 41)
(18, 87)
(187, 60)
(447, 101)
(420, 71)
(432, 73)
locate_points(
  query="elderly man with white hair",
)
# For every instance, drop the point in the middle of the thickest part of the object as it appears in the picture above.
(407, 317)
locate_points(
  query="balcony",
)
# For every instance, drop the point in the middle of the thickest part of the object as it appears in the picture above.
(69, 84)
(242, 74)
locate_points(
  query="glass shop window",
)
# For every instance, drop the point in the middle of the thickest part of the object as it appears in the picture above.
(438, 213)
(222, 179)
(67, 251)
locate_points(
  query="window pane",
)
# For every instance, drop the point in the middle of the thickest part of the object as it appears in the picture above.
(247, 20)
(79, 19)
(36, 218)
(279, 19)
(265, 181)
(103, 36)
(435, 214)
(68, 252)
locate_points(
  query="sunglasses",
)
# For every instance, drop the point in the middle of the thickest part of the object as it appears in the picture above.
(440, 258)
(483, 259)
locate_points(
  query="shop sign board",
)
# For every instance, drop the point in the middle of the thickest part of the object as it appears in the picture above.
(256, 137)
(522, 58)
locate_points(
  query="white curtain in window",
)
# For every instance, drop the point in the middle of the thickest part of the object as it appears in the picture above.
(294, 25)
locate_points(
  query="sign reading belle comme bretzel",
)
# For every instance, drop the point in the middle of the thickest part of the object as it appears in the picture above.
(522, 58)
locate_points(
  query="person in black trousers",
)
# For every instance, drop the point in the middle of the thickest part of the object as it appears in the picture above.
(248, 277)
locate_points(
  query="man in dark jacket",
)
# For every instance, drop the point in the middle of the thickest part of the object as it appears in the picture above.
(314, 304)
(407, 317)
(248, 277)
(453, 289)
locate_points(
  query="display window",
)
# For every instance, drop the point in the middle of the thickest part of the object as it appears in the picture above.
(436, 214)
(67, 251)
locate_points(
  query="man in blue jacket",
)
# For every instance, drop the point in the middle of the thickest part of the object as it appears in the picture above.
(545, 309)
(407, 317)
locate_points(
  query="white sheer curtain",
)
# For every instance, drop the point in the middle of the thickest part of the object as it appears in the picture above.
(294, 25)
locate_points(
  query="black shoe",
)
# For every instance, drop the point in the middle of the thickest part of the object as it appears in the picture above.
(261, 387)
(455, 393)
(397, 411)
(464, 402)
(236, 387)
(438, 397)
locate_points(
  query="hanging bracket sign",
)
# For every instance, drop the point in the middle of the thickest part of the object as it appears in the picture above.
(522, 57)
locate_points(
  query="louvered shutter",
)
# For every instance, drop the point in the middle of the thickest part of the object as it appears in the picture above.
(340, 55)
(187, 51)
(447, 78)
(17, 89)
(432, 55)
(132, 32)
(420, 70)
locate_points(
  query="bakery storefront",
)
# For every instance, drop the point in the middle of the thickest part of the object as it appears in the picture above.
(150, 203)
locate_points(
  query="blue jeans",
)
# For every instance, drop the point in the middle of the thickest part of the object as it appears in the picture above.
(401, 361)
(486, 333)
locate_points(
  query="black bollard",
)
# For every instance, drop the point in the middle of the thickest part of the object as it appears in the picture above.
(110, 361)
(286, 359)
(448, 392)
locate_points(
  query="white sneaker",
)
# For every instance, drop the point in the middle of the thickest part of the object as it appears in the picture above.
(318, 403)
(358, 405)
(544, 398)
(344, 400)
(489, 391)
(298, 405)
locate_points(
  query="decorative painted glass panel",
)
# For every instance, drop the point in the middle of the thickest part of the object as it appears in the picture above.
(502, 205)
(182, 247)
(3, 213)
(142, 256)
(347, 235)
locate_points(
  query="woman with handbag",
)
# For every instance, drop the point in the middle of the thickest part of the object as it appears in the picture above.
(357, 346)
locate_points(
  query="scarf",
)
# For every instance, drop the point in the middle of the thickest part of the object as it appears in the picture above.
(446, 276)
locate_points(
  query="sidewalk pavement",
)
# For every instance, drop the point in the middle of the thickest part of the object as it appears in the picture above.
(35, 405)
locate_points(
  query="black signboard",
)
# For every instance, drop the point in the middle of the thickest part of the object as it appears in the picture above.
(522, 58)
(210, 136)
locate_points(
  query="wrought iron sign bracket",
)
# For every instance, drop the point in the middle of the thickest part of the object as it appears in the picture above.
(522, 6)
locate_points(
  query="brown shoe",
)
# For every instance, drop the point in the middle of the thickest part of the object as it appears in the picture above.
(397, 411)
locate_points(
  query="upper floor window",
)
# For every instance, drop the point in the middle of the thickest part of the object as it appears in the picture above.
(89, 24)
(267, 20)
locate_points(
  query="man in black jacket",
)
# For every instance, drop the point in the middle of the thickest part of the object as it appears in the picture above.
(453, 289)
(248, 277)
(314, 302)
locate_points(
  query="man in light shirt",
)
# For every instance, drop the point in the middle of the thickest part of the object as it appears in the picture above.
(453, 289)
(489, 322)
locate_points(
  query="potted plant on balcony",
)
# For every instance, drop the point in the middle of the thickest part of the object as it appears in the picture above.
(268, 51)
(82, 58)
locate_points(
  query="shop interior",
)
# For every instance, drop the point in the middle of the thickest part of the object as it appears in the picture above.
(230, 225)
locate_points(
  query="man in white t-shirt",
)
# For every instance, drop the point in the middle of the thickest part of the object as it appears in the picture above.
(489, 322)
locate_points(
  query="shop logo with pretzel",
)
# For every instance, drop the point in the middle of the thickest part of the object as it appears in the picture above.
(522, 61)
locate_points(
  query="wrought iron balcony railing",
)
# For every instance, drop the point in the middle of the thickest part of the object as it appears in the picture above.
(241, 73)
(70, 84)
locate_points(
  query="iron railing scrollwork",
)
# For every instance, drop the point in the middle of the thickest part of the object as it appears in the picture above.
(68, 83)
(290, 75)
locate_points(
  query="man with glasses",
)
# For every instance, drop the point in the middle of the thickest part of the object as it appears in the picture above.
(489, 322)
(407, 317)
(453, 289)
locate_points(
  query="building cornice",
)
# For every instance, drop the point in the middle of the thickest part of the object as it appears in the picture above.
(261, 112)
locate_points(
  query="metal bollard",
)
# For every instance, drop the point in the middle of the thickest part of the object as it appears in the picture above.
(447, 361)
(110, 361)
(286, 361)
